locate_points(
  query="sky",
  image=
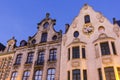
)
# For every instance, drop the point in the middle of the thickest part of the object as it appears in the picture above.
(19, 18)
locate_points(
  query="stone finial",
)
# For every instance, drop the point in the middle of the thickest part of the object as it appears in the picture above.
(66, 27)
(47, 15)
(114, 20)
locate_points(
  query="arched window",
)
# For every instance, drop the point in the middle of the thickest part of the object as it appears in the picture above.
(44, 37)
(26, 75)
(14, 75)
(38, 75)
(87, 19)
(51, 74)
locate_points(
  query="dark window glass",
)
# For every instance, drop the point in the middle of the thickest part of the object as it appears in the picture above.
(75, 52)
(100, 74)
(54, 37)
(76, 74)
(46, 25)
(26, 75)
(76, 34)
(33, 41)
(29, 58)
(52, 55)
(44, 37)
(105, 48)
(109, 73)
(40, 59)
(84, 74)
(118, 70)
(87, 19)
(68, 53)
(38, 75)
(51, 74)
(113, 48)
(68, 75)
(83, 53)
(18, 59)
(14, 76)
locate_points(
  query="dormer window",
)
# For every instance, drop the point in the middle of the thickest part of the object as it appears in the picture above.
(44, 37)
(87, 19)
(46, 25)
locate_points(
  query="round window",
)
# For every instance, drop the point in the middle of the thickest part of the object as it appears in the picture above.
(46, 25)
(33, 41)
(76, 34)
(54, 37)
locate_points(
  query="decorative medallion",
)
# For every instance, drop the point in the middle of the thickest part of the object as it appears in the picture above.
(88, 29)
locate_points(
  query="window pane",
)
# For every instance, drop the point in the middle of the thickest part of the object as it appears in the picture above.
(109, 73)
(75, 52)
(84, 74)
(76, 74)
(69, 54)
(14, 75)
(100, 74)
(38, 75)
(44, 37)
(83, 53)
(105, 48)
(51, 74)
(52, 55)
(68, 75)
(118, 69)
(87, 19)
(113, 47)
(26, 75)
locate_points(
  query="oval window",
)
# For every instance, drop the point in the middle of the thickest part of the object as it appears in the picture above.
(54, 37)
(76, 34)
(46, 25)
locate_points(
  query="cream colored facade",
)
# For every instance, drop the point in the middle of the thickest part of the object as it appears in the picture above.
(92, 34)
(88, 50)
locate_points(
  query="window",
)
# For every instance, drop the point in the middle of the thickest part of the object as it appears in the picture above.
(54, 37)
(83, 53)
(75, 52)
(52, 56)
(109, 73)
(105, 48)
(68, 75)
(118, 70)
(87, 19)
(14, 76)
(68, 53)
(51, 74)
(46, 25)
(76, 74)
(84, 74)
(30, 57)
(113, 47)
(26, 75)
(40, 59)
(18, 59)
(44, 37)
(100, 74)
(38, 75)
(76, 34)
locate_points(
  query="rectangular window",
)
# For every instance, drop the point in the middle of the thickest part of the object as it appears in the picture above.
(87, 19)
(68, 75)
(118, 70)
(75, 52)
(29, 58)
(105, 48)
(76, 74)
(113, 48)
(40, 59)
(44, 37)
(109, 73)
(52, 55)
(18, 59)
(83, 53)
(68, 53)
(84, 74)
(26, 75)
(51, 74)
(100, 74)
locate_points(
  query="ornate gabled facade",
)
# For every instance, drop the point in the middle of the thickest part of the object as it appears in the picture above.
(88, 50)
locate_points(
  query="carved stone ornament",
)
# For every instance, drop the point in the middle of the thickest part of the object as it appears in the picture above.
(74, 24)
(116, 30)
(88, 29)
(75, 63)
(100, 17)
(107, 60)
(85, 7)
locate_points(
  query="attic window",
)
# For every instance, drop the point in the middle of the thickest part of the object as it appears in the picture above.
(87, 19)
(46, 25)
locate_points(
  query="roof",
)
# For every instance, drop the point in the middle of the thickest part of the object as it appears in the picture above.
(2, 47)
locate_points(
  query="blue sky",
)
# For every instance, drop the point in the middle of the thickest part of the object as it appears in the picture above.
(19, 18)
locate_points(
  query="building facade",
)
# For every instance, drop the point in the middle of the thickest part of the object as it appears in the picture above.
(88, 50)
